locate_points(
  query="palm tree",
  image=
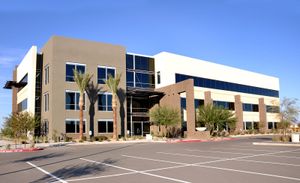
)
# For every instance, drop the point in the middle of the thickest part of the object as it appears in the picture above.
(82, 80)
(113, 83)
(215, 117)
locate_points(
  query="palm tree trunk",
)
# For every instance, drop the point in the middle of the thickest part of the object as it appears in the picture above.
(114, 106)
(81, 116)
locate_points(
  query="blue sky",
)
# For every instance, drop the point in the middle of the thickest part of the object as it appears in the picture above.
(256, 35)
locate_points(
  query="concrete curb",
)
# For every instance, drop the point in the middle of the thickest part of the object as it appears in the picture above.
(21, 150)
(197, 140)
(276, 144)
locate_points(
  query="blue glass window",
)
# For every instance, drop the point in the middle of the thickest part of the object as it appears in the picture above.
(129, 79)
(72, 100)
(22, 105)
(104, 102)
(250, 107)
(183, 103)
(222, 85)
(129, 61)
(103, 74)
(198, 103)
(70, 73)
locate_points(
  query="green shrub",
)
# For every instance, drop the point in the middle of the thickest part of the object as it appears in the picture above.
(80, 141)
(276, 138)
(285, 138)
(68, 139)
(84, 138)
(100, 138)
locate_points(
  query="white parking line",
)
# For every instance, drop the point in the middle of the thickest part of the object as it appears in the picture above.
(250, 172)
(243, 149)
(202, 165)
(190, 155)
(99, 177)
(268, 162)
(192, 150)
(47, 173)
(136, 171)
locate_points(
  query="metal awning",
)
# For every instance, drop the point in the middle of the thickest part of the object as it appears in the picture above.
(143, 92)
(10, 84)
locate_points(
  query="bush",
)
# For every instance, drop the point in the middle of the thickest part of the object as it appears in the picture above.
(100, 138)
(80, 141)
(68, 139)
(276, 138)
(285, 138)
(84, 138)
(281, 138)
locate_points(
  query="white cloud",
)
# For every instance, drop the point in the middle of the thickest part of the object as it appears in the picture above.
(10, 57)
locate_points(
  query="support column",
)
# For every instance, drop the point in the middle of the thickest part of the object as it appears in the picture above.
(207, 98)
(238, 106)
(262, 115)
(190, 109)
(14, 93)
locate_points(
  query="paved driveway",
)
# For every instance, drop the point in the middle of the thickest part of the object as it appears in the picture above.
(227, 161)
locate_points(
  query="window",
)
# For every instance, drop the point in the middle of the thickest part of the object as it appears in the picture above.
(105, 126)
(272, 109)
(248, 125)
(129, 78)
(72, 100)
(129, 62)
(198, 103)
(224, 105)
(73, 66)
(272, 125)
(105, 102)
(158, 77)
(251, 125)
(140, 71)
(250, 107)
(223, 85)
(46, 102)
(72, 126)
(46, 74)
(104, 72)
(22, 105)
(144, 80)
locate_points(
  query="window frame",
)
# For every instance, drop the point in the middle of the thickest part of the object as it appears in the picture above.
(46, 102)
(76, 121)
(106, 101)
(106, 125)
(75, 64)
(47, 74)
(106, 75)
(75, 108)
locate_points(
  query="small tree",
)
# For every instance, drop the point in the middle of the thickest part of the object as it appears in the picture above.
(215, 118)
(82, 81)
(289, 112)
(165, 116)
(17, 125)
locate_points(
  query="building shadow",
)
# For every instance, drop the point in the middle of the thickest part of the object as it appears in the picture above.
(92, 92)
(122, 97)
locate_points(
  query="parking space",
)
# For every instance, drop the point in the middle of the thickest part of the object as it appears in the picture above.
(228, 161)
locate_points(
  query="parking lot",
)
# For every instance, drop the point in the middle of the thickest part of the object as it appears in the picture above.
(226, 161)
